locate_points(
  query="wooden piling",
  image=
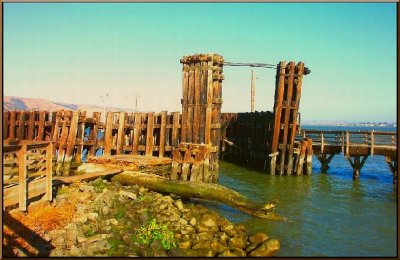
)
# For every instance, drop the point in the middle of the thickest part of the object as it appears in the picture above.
(6, 115)
(11, 135)
(150, 137)
(22, 178)
(163, 128)
(31, 125)
(95, 132)
(108, 134)
(121, 132)
(71, 143)
(79, 136)
(63, 141)
(136, 133)
(309, 153)
(42, 117)
(49, 171)
(324, 160)
(21, 125)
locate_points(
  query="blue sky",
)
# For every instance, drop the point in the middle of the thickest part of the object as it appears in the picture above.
(76, 52)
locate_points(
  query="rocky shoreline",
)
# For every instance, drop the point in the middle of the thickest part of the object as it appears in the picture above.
(115, 220)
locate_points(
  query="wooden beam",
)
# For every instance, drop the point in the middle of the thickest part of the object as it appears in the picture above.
(175, 129)
(49, 171)
(150, 137)
(22, 175)
(108, 134)
(40, 133)
(121, 132)
(21, 125)
(136, 132)
(163, 129)
(11, 134)
(6, 116)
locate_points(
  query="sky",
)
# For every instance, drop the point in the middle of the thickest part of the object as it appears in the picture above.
(78, 52)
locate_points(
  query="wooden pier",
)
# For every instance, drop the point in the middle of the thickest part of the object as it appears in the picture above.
(356, 146)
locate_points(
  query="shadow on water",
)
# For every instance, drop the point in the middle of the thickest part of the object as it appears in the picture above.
(329, 214)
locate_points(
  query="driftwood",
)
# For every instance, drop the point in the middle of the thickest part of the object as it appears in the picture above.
(200, 190)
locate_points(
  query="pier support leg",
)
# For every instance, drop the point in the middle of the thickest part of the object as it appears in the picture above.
(392, 163)
(325, 161)
(357, 165)
(309, 153)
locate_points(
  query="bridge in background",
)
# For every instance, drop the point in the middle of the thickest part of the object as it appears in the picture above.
(356, 146)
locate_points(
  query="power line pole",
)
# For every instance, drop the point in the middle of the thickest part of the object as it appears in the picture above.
(253, 79)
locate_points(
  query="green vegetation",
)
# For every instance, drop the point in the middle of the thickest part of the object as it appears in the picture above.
(99, 185)
(151, 231)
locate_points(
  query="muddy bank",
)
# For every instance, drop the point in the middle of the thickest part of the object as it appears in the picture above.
(113, 220)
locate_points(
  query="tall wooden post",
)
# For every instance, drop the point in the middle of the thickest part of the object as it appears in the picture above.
(201, 104)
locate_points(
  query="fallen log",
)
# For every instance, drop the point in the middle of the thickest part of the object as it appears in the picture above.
(200, 190)
(84, 177)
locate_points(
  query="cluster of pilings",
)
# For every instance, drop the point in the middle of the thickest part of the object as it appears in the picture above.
(201, 108)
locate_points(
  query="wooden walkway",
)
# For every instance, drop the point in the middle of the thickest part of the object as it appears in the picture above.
(356, 146)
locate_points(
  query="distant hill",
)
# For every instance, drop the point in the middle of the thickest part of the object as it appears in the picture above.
(19, 103)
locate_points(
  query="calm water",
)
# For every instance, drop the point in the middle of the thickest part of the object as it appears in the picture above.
(329, 214)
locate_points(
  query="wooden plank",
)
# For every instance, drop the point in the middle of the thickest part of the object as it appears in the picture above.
(63, 141)
(6, 116)
(21, 125)
(309, 153)
(136, 131)
(80, 135)
(11, 134)
(197, 105)
(84, 177)
(22, 178)
(294, 112)
(289, 91)
(210, 95)
(95, 132)
(185, 85)
(161, 150)
(372, 143)
(190, 101)
(40, 133)
(150, 137)
(72, 136)
(175, 129)
(49, 171)
(203, 102)
(108, 134)
(121, 132)
(279, 90)
(31, 125)
(56, 129)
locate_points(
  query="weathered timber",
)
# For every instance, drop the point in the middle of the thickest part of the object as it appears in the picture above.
(71, 143)
(22, 173)
(85, 177)
(162, 138)
(40, 132)
(21, 125)
(357, 165)
(108, 134)
(200, 190)
(80, 132)
(324, 160)
(121, 132)
(63, 141)
(94, 132)
(6, 115)
(11, 135)
(150, 137)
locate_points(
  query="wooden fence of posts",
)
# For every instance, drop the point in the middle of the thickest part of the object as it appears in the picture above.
(201, 115)
(27, 156)
(150, 134)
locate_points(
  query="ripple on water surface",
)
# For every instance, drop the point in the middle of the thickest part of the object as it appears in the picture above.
(329, 214)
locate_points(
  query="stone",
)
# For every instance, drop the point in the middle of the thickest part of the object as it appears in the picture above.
(182, 222)
(127, 194)
(238, 241)
(92, 216)
(208, 220)
(217, 246)
(80, 220)
(74, 251)
(185, 244)
(180, 252)
(192, 222)
(240, 228)
(267, 248)
(105, 210)
(205, 252)
(157, 248)
(204, 236)
(179, 204)
(112, 221)
(258, 238)
(202, 244)
(233, 252)
(71, 237)
(81, 239)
